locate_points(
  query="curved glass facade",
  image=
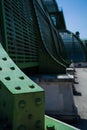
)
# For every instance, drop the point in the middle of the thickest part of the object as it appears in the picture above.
(34, 34)
(74, 47)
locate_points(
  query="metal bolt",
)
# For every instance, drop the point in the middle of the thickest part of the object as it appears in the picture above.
(0, 68)
(30, 116)
(50, 127)
(38, 101)
(18, 88)
(8, 78)
(21, 77)
(22, 104)
(32, 86)
(12, 68)
(4, 58)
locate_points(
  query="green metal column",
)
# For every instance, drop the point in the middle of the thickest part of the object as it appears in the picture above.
(21, 100)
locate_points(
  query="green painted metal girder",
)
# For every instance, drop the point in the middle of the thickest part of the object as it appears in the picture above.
(53, 124)
(19, 32)
(29, 43)
(21, 100)
(27, 65)
(50, 61)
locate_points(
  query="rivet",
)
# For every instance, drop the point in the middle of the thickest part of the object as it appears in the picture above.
(38, 101)
(32, 86)
(8, 78)
(0, 68)
(18, 88)
(21, 77)
(50, 127)
(30, 116)
(22, 104)
(4, 58)
(12, 68)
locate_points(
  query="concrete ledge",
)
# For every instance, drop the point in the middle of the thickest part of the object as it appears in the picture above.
(65, 78)
(58, 94)
(70, 71)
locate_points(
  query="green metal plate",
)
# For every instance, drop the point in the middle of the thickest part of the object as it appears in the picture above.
(54, 124)
(21, 100)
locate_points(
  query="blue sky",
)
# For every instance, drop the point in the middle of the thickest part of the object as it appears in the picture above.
(75, 13)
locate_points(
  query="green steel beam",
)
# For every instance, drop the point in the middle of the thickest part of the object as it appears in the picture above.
(27, 65)
(53, 124)
(19, 32)
(21, 100)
